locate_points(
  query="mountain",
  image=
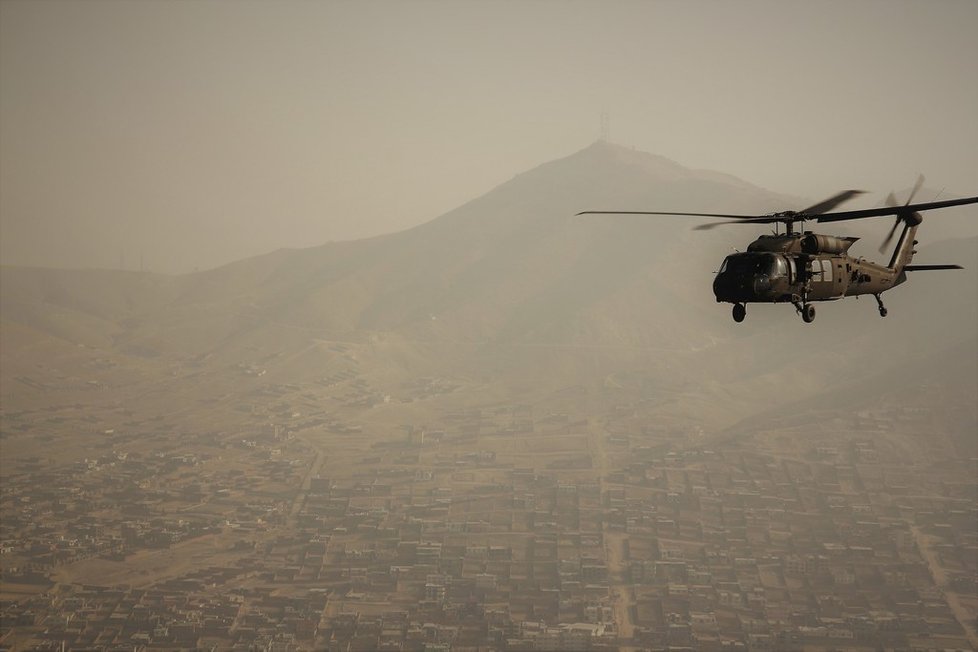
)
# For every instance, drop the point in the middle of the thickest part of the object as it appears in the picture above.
(499, 265)
(511, 285)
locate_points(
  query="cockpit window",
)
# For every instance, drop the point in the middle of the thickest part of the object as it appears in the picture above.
(752, 264)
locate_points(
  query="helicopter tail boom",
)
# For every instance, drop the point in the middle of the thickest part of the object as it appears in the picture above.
(904, 251)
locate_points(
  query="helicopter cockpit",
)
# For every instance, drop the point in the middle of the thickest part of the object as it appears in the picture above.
(750, 276)
(755, 264)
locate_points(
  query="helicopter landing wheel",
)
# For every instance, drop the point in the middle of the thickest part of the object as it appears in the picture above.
(739, 312)
(882, 307)
(808, 313)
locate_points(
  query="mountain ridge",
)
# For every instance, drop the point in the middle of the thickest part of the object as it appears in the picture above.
(513, 266)
(511, 295)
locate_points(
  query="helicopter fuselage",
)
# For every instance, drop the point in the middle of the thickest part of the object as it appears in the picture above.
(800, 268)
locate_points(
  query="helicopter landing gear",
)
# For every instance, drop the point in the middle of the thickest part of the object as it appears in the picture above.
(806, 310)
(739, 312)
(882, 307)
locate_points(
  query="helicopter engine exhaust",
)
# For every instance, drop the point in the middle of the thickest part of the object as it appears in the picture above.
(814, 243)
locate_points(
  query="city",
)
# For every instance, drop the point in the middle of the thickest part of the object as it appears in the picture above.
(512, 526)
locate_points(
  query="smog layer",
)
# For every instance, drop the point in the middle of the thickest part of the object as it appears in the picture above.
(509, 428)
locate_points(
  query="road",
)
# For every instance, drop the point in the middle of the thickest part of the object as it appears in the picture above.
(300, 496)
(963, 615)
(622, 592)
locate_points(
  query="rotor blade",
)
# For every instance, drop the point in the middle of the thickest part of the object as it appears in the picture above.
(831, 202)
(894, 210)
(665, 213)
(889, 236)
(767, 219)
(916, 187)
(710, 225)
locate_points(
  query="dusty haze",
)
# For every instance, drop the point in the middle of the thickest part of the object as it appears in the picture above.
(508, 427)
(230, 421)
(177, 136)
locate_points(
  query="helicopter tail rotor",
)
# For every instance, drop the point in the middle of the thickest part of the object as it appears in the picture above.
(902, 216)
(890, 201)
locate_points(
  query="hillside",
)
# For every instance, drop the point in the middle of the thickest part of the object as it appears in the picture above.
(507, 287)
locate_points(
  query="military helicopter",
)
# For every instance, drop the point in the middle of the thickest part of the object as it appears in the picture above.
(804, 267)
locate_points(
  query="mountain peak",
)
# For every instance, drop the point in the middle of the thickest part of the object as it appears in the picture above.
(605, 152)
(612, 157)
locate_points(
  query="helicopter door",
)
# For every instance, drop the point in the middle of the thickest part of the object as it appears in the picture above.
(815, 271)
(821, 271)
(826, 270)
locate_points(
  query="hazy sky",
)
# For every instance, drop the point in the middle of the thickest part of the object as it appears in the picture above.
(190, 134)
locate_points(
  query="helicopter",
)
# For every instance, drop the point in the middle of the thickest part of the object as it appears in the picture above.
(802, 267)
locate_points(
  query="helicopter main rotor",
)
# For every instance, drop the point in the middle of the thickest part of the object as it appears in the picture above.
(816, 212)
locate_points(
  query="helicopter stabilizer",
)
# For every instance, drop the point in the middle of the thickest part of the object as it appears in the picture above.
(926, 268)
